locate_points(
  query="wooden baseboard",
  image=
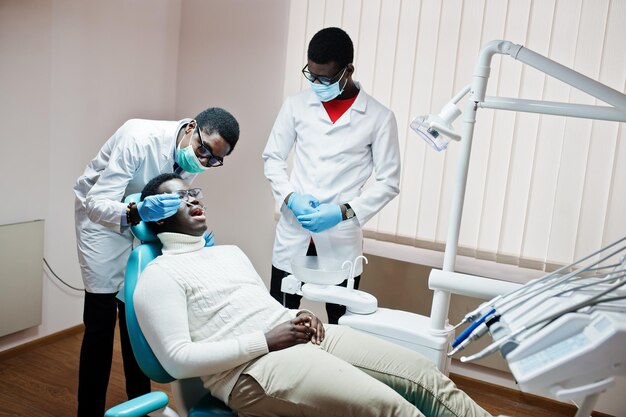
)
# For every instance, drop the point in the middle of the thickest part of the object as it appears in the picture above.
(530, 399)
(79, 328)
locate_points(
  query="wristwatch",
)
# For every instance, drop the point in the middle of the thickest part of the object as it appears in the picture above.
(349, 211)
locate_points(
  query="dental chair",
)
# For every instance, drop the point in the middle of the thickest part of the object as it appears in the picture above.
(190, 396)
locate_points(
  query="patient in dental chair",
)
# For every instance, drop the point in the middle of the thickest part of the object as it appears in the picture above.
(206, 312)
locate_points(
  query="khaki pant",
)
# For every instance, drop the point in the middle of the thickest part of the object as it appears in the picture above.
(350, 374)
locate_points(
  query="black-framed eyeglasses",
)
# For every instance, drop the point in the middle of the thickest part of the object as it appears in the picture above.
(190, 193)
(205, 152)
(322, 78)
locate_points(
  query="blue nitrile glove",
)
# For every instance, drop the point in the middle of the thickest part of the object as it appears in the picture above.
(208, 239)
(326, 216)
(158, 207)
(302, 203)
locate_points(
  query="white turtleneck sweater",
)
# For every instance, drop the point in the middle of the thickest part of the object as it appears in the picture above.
(205, 311)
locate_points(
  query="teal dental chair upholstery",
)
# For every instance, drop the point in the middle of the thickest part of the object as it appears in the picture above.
(190, 397)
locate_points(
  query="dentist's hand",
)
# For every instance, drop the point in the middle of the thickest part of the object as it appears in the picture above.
(302, 203)
(326, 216)
(158, 207)
(208, 239)
(290, 333)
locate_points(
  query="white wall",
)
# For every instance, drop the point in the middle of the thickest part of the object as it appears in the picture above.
(72, 71)
(241, 70)
(234, 59)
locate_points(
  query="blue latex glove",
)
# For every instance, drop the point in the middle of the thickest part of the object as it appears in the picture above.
(326, 216)
(208, 239)
(302, 204)
(158, 207)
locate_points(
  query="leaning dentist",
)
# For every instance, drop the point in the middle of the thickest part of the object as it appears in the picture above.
(136, 153)
(340, 136)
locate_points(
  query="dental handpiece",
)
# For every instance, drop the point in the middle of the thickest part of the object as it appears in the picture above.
(478, 331)
(477, 313)
(508, 343)
(471, 328)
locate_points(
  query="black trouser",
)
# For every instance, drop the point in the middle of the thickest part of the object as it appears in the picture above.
(96, 354)
(334, 311)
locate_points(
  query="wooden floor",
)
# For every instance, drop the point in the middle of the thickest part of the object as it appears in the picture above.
(40, 379)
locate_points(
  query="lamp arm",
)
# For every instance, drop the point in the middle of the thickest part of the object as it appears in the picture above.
(545, 65)
(461, 94)
(571, 77)
(483, 65)
(583, 111)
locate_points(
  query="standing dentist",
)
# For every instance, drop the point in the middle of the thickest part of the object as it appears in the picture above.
(137, 152)
(340, 137)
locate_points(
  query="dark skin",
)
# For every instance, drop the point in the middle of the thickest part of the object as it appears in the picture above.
(190, 220)
(330, 69)
(302, 329)
(188, 135)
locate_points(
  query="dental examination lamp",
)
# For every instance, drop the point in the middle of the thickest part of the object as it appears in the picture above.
(432, 126)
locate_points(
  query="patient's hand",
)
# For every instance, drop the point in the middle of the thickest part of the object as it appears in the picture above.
(316, 326)
(293, 332)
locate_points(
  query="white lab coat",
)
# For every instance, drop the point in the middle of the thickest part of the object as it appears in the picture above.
(332, 162)
(139, 151)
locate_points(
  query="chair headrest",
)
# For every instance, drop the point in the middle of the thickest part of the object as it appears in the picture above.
(140, 231)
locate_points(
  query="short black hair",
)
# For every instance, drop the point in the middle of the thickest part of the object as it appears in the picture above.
(215, 119)
(152, 188)
(331, 45)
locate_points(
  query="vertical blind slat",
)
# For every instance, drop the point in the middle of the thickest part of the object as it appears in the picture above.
(403, 90)
(445, 70)
(613, 70)
(470, 43)
(539, 39)
(489, 220)
(564, 194)
(383, 87)
(574, 166)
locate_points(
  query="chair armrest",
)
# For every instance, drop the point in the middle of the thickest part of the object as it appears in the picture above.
(139, 406)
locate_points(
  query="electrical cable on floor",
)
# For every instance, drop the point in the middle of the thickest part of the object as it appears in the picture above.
(59, 278)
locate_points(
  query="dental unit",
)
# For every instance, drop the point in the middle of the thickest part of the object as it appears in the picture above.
(563, 334)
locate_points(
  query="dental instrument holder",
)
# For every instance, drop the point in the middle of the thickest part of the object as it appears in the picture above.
(543, 362)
